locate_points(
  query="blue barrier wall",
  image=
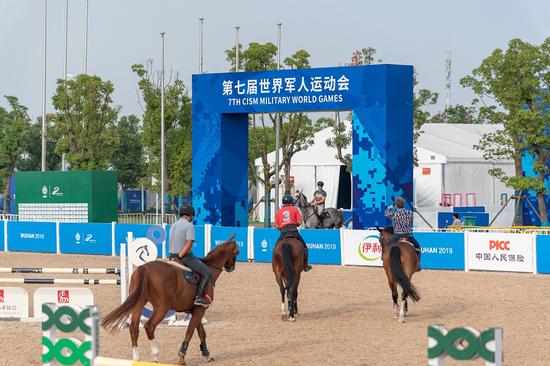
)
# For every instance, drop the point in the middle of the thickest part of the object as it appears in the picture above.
(198, 245)
(441, 250)
(220, 234)
(445, 219)
(543, 253)
(465, 209)
(323, 245)
(138, 230)
(264, 243)
(32, 236)
(2, 235)
(85, 238)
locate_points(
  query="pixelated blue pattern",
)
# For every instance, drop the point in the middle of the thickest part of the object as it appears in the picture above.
(380, 97)
(530, 218)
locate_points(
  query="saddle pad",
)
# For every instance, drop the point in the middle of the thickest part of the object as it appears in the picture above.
(408, 242)
(177, 265)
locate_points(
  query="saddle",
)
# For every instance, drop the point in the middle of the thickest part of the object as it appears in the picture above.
(191, 277)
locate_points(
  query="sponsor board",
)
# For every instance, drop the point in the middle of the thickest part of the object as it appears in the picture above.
(362, 248)
(72, 296)
(500, 252)
(14, 302)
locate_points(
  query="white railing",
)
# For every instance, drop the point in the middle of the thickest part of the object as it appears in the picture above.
(9, 217)
(493, 230)
(150, 218)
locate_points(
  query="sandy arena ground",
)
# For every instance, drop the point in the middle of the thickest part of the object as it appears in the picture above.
(345, 319)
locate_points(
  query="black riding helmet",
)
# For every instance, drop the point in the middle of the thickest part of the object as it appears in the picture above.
(320, 183)
(187, 210)
(287, 199)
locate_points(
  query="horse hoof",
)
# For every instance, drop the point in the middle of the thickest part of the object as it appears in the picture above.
(181, 360)
(284, 317)
(209, 359)
(292, 319)
(401, 320)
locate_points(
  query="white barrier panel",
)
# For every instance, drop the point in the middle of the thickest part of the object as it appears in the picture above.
(14, 302)
(72, 296)
(500, 252)
(362, 248)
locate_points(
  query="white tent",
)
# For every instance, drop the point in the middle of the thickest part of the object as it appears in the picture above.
(317, 163)
(448, 163)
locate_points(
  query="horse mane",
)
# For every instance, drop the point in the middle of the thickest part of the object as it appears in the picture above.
(216, 253)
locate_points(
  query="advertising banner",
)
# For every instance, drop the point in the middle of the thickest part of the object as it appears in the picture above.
(323, 245)
(139, 231)
(543, 253)
(264, 243)
(362, 248)
(220, 234)
(500, 252)
(32, 236)
(441, 250)
(14, 302)
(85, 238)
(62, 296)
(198, 245)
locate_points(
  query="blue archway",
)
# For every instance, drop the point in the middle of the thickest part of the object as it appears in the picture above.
(379, 96)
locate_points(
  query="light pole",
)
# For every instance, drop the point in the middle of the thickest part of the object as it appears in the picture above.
(86, 39)
(44, 89)
(65, 64)
(237, 48)
(277, 124)
(200, 45)
(162, 137)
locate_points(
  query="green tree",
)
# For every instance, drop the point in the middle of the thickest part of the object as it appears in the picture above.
(129, 157)
(177, 125)
(340, 140)
(457, 114)
(14, 133)
(32, 157)
(85, 121)
(508, 84)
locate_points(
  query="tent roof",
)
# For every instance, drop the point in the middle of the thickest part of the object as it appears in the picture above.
(455, 141)
(439, 143)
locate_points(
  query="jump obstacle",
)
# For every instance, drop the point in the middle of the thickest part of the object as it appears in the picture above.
(122, 271)
(57, 320)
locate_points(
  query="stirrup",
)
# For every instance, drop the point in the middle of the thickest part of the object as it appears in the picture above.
(307, 268)
(201, 301)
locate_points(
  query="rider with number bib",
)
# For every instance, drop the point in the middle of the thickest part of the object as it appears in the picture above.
(287, 220)
(402, 225)
(182, 236)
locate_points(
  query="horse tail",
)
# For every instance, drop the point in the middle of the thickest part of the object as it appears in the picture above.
(115, 320)
(400, 277)
(288, 265)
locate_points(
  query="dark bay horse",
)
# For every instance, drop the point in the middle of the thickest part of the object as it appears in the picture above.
(400, 263)
(164, 286)
(334, 217)
(288, 263)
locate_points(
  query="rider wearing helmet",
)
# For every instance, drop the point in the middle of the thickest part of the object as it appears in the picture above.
(182, 236)
(287, 220)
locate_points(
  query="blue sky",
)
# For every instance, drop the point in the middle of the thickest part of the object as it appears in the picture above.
(125, 32)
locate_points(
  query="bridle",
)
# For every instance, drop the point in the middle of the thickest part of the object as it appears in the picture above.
(302, 196)
(221, 269)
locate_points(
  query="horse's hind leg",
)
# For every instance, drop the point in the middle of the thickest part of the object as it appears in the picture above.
(394, 296)
(279, 280)
(403, 307)
(134, 331)
(150, 326)
(202, 336)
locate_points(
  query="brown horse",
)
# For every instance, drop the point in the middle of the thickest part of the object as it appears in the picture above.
(400, 263)
(164, 286)
(288, 263)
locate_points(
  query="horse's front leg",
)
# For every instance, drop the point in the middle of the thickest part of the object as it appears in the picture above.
(196, 317)
(203, 347)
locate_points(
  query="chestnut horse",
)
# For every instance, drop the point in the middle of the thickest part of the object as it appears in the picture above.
(288, 263)
(400, 263)
(164, 286)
